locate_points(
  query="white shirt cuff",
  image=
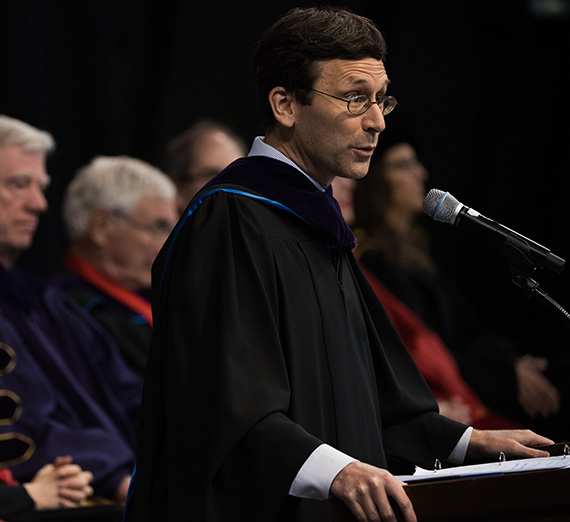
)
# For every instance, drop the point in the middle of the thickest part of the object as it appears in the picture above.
(457, 456)
(316, 475)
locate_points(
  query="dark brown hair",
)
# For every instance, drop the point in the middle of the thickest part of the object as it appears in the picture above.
(373, 230)
(286, 53)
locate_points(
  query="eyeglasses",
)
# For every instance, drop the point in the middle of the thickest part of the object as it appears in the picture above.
(360, 103)
(157, 229)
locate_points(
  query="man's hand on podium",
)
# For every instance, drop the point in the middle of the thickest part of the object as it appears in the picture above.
(366, 490)
(487, 444)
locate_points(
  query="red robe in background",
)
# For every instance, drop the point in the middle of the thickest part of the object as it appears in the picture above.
(435, 361)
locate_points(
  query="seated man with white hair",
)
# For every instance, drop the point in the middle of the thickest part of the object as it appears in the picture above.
(73, 392)
(118, 211)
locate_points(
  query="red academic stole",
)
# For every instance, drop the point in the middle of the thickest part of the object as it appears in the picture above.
(126, 297)
(6, 477)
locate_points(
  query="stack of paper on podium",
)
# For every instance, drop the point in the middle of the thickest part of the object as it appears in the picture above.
(489, 469)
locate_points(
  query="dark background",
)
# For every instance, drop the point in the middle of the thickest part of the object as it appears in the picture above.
(483, 85)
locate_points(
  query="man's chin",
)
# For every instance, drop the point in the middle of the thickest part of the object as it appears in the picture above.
(360, 172)
(9, 254)
(25, 243)
(22, 244)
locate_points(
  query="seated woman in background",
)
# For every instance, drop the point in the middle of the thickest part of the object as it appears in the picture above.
(394, 247)
(455, 397)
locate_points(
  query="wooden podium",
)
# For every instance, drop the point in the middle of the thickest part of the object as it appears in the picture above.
(541, 496)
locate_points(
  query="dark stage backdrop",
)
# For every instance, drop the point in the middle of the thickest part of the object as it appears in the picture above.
(483, 85)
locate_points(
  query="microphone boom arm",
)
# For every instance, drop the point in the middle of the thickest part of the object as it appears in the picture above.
(522, 268)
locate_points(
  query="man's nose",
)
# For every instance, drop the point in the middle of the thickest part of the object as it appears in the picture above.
(36, 200)
(373, 119)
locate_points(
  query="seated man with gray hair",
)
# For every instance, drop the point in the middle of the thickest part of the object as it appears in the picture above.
(74, 393)
(118, 211)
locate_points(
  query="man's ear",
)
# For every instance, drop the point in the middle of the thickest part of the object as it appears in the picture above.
(99, 226)
(283, 104)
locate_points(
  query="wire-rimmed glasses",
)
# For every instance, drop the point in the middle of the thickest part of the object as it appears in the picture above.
(360, 103)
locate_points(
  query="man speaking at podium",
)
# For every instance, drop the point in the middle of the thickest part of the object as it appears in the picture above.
(275, 377)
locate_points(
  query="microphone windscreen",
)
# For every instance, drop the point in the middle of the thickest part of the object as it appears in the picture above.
(441, 206)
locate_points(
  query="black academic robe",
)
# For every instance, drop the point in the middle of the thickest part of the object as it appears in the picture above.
(129, 330)
(268, 341)
(14, 500)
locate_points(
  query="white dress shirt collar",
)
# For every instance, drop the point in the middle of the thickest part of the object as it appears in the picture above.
(260, 148)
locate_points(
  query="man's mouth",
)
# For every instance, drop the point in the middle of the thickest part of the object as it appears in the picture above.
(366, 150)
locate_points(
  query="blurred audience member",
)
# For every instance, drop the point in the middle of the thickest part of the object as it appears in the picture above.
(58, 485)
(118, 211)
(394, 247)
(199, 153)
(455, 397)
(78, 397)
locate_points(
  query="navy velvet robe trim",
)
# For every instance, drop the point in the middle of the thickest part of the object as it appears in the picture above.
(286, 185)
(280, 185)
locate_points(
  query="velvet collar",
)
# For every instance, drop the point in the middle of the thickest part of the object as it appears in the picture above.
(285, 185)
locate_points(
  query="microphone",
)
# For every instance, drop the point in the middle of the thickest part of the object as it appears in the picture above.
(442, 206)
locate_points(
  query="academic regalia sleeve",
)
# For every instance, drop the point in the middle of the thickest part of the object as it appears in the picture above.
(14, 500)
(413, 430)
(59, 422)
(216, 377)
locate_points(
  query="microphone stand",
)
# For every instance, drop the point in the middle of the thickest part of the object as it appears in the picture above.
(522, 268)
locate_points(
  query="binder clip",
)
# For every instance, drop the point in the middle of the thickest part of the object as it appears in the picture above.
(566, 451)
(502, 457)
(437, 465)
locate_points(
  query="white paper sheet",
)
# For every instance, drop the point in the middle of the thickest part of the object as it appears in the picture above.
(493, 468)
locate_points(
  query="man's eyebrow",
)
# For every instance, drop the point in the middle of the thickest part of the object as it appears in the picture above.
(357, 80)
